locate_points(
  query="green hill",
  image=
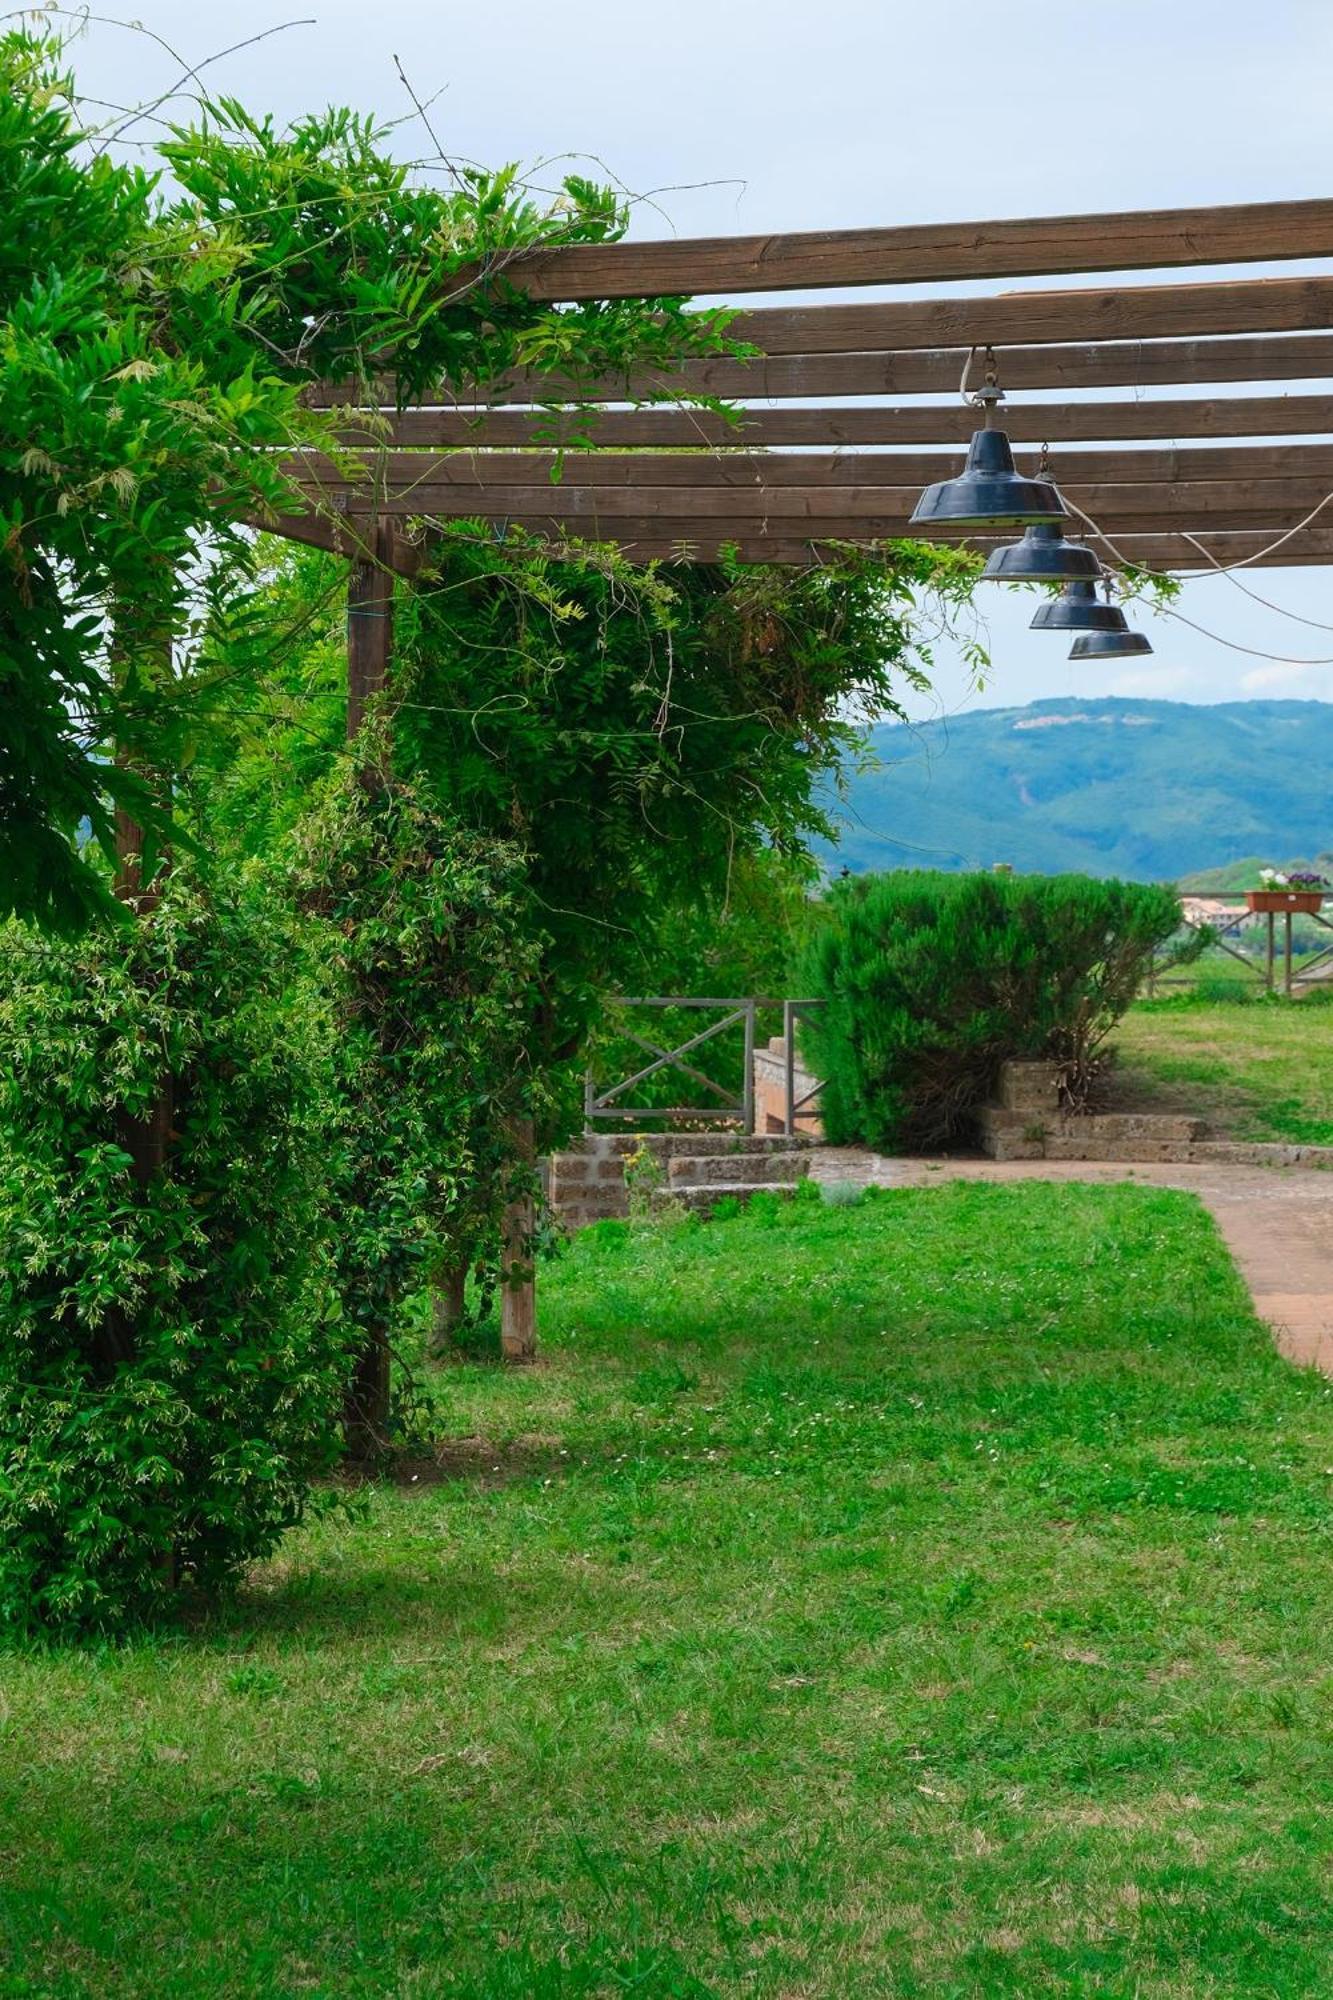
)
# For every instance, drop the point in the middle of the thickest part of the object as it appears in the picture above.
(1153, 790)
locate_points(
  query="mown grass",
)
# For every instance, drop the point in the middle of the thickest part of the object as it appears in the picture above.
(927, 1598)
(1256, 1068)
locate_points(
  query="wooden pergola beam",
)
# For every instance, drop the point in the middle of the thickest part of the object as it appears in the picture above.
(1145, 312)
(899, 424)
(486, 474)
(1149, 239)
(1097, 364)
(1184, 501)
(342, 535)
(1163, 550)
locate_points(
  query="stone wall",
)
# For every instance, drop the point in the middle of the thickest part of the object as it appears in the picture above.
(770, 1092)
(586, 1183)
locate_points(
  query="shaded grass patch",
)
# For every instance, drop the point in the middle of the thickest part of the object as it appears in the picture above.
(922, 1598)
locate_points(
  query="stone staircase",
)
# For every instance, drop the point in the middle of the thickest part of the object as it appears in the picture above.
(698, 1180)
(1028, 1124)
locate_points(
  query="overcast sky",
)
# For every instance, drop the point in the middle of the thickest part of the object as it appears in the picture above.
(767, 114)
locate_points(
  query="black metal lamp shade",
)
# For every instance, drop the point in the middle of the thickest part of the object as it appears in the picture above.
(988, 492)
(1109, 645)
(1043, 556)
(1079, 609)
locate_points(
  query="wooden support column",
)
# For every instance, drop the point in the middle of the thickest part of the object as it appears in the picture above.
(369, 648)
(518, 1289)
(148, 1139)
(369, 622)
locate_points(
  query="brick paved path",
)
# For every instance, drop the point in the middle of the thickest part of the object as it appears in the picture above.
(1277, 1223)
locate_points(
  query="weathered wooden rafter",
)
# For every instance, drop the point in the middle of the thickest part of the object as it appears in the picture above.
(405, 551)
(742, 470)
(882, 424)
(1097, 364)
(1144, 240)
(676, 477)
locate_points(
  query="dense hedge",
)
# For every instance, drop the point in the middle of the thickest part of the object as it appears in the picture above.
(172, 1360)
(932, 981)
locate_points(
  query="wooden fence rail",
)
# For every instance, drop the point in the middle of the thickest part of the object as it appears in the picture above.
(603, 1105)
(1226, 933)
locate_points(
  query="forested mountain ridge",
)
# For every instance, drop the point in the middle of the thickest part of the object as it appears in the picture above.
(1152, 790)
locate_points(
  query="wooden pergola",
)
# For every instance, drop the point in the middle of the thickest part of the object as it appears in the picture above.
(848, 409)
(844, 411)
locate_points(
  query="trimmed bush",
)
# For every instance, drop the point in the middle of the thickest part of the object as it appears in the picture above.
(172, 1362)
(932, 981)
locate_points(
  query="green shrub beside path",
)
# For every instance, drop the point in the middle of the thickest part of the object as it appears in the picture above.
(931, 982)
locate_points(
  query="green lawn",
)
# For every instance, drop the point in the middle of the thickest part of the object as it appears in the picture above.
(925, 1598)
(1256, 1068)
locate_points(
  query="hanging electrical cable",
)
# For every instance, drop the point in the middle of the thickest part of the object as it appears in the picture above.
(1168, 611)
(1221, 569)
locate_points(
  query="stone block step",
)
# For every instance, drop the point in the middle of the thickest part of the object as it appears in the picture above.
(1157, 1125)
(669, 1145)
(1092, 1146)
(763, 1169)
(701, 1196)
(1107, 1135)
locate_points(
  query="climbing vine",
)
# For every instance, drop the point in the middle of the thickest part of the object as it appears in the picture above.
(158, 350)
(632, 734)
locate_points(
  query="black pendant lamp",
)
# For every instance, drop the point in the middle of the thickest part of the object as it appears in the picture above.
(1043, 556)
(988, 492)
(1079, 609)
(1109, 645)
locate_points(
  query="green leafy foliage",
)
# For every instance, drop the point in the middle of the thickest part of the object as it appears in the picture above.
(643, 733)
(653, 741)
(171, 1360)
(930, 982)
(116, 448)
(421, 940)
(743, 940)
(152, 364)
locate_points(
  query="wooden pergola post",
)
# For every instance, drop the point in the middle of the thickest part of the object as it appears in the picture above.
(369, 623)
(148, 1139)
(369, 650)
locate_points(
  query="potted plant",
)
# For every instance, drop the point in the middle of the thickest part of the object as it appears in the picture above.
(1299, 890)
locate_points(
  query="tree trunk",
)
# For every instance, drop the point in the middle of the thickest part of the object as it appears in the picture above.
(447, 1306)
(518, 1290)
(366, 1402)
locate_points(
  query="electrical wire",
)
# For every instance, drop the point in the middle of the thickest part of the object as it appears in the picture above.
(1166, 611)
(1316, 624)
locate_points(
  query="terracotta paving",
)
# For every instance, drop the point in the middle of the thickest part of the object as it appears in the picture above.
(1277, 1223)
